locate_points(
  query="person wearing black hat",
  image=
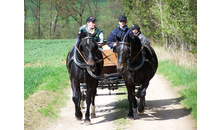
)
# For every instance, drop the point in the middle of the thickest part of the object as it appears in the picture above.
(90, 28)
(136, 30)
(120, 31)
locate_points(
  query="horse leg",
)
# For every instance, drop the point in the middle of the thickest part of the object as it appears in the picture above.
(142, 95)
(135, 104)
(93, 94)
(76, 98)
(88, 102)
(130, 115)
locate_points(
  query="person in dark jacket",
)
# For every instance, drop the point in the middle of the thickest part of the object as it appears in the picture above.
(120, 31)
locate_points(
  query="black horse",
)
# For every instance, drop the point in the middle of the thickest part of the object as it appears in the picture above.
(137, 64)
(80, 60)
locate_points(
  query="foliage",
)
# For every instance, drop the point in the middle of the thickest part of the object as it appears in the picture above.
(169, 22)
(62, 18)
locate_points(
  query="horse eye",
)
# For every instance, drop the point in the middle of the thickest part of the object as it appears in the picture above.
(81, 48)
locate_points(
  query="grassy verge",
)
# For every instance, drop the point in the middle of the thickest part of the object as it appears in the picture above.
(51, 78)
(45, 80)
(181, 69)
(44, 65)
(185, 80)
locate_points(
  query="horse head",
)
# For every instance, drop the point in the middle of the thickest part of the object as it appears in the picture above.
(88, 47)
(126, 49)
(123, 50)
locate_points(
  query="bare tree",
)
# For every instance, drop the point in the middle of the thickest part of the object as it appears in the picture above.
(36, 12)
(58, 6)
(74, 9)
(25, 16)
(94, 9)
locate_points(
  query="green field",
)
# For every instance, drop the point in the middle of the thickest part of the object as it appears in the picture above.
(44, 62)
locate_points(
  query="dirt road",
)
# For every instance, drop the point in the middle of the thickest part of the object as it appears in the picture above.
(163, 112)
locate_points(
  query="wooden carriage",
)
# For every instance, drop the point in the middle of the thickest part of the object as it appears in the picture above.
(110, 62)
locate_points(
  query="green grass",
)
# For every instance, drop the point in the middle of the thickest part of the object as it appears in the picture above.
(45, 69)
(50, 78)
(49, 51)
(49, 72)
(185, 79)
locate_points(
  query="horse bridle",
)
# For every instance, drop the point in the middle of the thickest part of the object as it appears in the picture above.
(81, 53)
(128, 44)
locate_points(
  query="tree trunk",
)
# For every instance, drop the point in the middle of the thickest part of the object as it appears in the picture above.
(55, 22)
(50, 18)
(38, 5)
(25, 16)
(161, 18)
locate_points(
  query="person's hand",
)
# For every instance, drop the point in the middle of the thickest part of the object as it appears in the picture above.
(114, 44)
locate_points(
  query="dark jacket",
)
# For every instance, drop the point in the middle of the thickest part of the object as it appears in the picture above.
(118, 32)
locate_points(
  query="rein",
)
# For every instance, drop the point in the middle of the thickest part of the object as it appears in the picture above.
(130, 51)
(136, 55)
(138, 66)
(81, 54)
(86, 38)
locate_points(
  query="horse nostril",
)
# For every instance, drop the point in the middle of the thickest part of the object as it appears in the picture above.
(90, 62)
(120, 66)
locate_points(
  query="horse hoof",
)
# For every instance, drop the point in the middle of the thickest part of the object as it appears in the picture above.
(130, 118)
(87, 122)
(93, 115)
(140, 110)
(79, 117)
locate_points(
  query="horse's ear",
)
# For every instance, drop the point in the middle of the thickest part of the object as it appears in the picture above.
(128, 37)
(118, 38)
(93, 35)
(82, 33)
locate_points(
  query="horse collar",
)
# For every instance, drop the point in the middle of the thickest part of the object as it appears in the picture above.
(139, 64)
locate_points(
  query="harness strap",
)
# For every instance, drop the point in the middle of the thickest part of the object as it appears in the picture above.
(80, 54)
(136, 55)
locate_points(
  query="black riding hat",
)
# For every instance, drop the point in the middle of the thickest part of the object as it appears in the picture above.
(122, 17)
(135, 27)
(90, 19)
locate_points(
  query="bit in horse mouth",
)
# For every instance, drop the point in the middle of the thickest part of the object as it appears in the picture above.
(92, 68)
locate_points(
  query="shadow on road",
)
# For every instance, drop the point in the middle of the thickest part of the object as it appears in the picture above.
(163, 109)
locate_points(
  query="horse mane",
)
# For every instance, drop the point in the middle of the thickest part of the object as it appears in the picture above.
(136, 40)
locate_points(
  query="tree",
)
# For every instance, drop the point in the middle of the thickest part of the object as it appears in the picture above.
(165, 21)
(25, 17)
(35, 9)
(74, 9)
